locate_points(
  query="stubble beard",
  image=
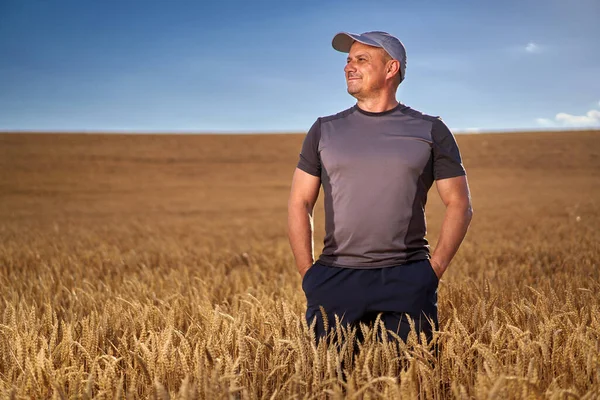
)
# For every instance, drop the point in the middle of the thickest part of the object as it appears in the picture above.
(359, 92)
(353, 90)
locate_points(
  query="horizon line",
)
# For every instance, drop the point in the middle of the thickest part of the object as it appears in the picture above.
(467, 131)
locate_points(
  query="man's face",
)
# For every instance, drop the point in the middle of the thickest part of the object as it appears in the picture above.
(365, 70)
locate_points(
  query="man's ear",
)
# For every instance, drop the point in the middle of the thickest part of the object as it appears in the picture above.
(393, 67)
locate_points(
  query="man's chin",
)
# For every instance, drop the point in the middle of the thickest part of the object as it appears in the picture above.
(352, 91)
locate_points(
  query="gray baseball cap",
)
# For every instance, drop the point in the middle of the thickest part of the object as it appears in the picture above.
(342, 41)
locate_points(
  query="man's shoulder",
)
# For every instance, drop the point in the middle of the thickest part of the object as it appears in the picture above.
(404, 109)
(340, 115)
(419, 115)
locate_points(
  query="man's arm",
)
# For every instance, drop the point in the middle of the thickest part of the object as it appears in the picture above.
(455, 195)
(303, 195)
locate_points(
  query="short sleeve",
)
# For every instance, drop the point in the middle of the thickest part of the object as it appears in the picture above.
(310, 160)
(447, 162)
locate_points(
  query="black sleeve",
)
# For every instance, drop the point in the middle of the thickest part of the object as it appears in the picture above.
(447, 162)
(310, 161)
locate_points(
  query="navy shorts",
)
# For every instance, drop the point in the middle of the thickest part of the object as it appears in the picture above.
(359, 295)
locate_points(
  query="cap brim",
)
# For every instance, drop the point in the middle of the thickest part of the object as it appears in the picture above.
(342, 41)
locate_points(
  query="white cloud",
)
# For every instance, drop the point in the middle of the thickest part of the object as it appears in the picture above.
(589, 119)
(530, 47)
(544, 122)
(466, 130)
(533, 48)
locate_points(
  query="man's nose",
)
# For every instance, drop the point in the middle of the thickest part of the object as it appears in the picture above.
(349, 67)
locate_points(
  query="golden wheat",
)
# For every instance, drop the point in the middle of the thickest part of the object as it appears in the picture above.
(125, 275)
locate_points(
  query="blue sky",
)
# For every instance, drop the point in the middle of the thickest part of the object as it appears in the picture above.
(268, 66)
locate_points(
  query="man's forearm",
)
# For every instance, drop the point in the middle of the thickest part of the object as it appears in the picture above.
(300, 233)
(454, 228)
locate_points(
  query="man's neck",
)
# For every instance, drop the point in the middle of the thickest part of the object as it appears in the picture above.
(377, 105)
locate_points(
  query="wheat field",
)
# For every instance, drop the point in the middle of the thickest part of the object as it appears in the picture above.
(157, 266)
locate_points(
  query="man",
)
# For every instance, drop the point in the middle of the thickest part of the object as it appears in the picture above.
(376, 162)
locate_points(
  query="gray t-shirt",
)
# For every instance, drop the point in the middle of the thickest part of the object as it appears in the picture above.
(376, 170)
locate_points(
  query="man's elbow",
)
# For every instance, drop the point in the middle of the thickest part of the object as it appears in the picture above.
(468, 212)
(300, 205)
(463, 207)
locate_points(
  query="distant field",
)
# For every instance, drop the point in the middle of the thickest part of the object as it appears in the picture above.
(158, 265)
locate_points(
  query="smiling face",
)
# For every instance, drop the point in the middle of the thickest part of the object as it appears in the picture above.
(366, 71)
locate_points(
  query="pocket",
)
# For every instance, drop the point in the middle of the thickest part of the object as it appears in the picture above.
(435, 277)
(307, 274)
